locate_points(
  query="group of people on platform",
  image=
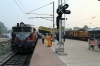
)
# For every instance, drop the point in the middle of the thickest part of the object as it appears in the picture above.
(49, 39)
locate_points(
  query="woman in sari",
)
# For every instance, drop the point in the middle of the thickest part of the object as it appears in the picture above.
(51, 38)
(48, 42)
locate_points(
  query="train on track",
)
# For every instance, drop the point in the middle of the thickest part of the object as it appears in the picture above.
(94, 33)
(83, 34)
(24, 38)
(80, 34)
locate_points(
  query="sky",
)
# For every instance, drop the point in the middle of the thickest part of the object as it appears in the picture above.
(82, 12)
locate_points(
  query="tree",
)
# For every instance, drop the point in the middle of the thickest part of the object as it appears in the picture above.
(85, 27)
(3, 29)
(69, 29)
(76, 28)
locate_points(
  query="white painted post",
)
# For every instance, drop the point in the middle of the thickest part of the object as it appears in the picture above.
(96, 48)
(60, 38)
(60, 43)
(89, 46)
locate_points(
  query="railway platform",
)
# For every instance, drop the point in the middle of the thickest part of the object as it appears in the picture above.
(45, 56)
(78, 53)
(4, 39)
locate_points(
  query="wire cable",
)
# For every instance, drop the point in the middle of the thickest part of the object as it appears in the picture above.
(40, 14)
(87, 23)
(24, 9)
(20, 8)
(41, 7)
(80, 21)
(47, 19)
(65, 2)
(83, 20)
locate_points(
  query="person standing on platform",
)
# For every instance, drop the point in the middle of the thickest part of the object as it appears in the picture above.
(48, 42)
(51, 39)
(43, 37)
(57, 35)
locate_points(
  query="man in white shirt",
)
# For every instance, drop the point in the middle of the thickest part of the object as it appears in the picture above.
(43, 39)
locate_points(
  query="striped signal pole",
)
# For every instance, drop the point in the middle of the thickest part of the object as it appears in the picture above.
(60, 49)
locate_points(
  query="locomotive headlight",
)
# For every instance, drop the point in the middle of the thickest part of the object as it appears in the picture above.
(22, 24)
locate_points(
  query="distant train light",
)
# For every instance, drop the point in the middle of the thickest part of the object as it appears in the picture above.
(22, 24)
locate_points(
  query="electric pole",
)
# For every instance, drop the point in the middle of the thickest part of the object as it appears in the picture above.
(64, 17)
(53, 23)
(60, 11)
(47, 18)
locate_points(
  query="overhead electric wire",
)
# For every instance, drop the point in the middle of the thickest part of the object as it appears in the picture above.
(96, 24)
(65, 2)
(41, 17)
(18, 6)
(79, 21)
(85, 19)
(41, 7)
(40, 14)
(22, 6)
(82, 20)
(47, 19)
(21, 9)
(24, 9)
(89, 22)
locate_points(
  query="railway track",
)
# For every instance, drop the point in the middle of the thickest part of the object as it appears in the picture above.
(18, 59)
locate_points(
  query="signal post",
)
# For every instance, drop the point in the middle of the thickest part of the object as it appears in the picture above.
(60, 11)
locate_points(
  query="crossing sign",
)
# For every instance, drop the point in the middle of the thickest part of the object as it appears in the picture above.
(67, 11)
(65, 6)
(62, 9)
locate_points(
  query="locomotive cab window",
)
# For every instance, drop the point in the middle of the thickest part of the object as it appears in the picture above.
(27, 29)
(22, 29)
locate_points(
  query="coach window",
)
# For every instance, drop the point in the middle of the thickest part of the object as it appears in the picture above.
(75, 32)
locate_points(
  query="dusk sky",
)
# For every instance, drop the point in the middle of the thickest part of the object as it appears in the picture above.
(82, 12)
